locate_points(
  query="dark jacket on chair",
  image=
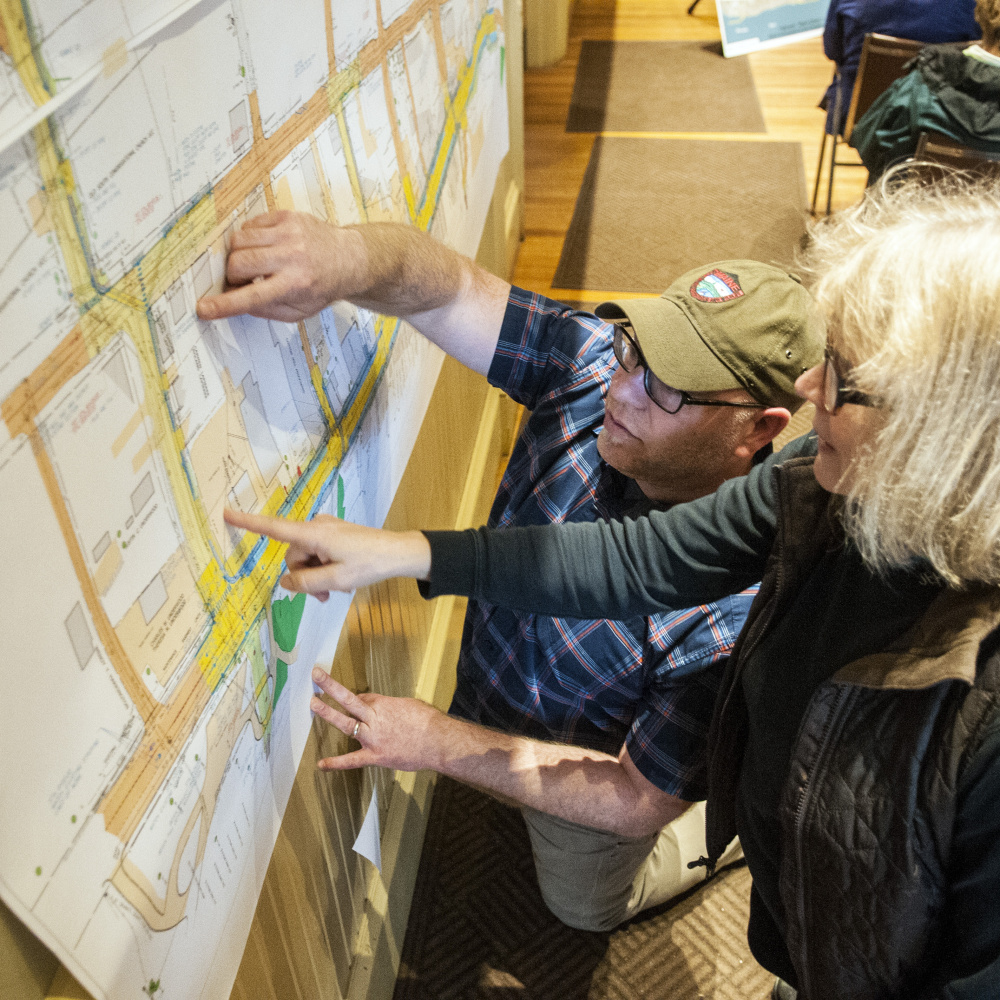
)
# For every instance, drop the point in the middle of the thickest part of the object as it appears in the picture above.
(945, 91)
(848, 21)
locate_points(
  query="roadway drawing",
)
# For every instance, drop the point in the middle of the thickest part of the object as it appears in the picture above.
(157, 676)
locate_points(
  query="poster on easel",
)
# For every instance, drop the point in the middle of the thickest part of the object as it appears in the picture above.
(750, 25)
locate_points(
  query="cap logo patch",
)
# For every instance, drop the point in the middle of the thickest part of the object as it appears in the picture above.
(717, 286)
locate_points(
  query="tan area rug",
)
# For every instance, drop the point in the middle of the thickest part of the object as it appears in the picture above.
(640, 86)
(479, 930)
(650, 209)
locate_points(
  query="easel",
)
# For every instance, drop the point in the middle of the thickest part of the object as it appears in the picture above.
(692, 7)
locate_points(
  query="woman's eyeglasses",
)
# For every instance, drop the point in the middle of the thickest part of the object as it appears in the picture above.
(835, 392)
(666, 397)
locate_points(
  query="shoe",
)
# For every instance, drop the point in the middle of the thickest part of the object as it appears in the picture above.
(782, 991)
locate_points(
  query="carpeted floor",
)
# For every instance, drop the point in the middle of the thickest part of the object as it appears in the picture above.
(649, 86)
(650, 209)
(479, 930)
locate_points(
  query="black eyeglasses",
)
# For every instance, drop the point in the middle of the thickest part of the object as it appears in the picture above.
(665, 396)
(835, 393)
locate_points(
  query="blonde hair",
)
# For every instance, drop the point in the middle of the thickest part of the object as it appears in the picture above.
(909, 283)
(988, 18)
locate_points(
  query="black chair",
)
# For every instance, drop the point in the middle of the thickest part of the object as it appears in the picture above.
(882, 60)
(938, 155)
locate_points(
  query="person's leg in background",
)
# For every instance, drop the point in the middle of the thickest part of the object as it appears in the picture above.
(593, 880)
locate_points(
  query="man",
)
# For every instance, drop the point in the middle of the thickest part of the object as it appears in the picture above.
(598, 729)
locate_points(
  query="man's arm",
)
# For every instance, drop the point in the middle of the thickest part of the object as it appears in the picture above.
(582, 786)
(288, 266)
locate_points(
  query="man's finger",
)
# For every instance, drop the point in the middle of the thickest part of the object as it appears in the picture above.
(266, 220)
(346, 697)
(260, 231)
(253, 298)
(278, 528)
(252, 264)
(347, 761)
(345, 723)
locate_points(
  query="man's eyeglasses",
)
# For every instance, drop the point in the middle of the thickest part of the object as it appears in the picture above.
(665, 396)
(835, 393)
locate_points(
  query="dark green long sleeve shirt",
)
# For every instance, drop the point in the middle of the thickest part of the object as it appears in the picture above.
(688, 555)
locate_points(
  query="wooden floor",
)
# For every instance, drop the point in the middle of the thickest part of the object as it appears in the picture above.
(790, 81)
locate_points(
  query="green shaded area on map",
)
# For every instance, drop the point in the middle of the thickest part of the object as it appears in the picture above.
(281, 675)
(287, 616)
(340, 497)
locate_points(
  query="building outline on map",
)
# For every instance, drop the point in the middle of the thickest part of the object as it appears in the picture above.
(121, 407)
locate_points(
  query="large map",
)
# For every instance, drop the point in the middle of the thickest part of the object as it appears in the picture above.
(156, 677)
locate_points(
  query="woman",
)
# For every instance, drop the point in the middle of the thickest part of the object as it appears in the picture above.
(856, 742)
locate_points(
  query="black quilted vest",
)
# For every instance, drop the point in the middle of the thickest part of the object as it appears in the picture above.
(869, 801)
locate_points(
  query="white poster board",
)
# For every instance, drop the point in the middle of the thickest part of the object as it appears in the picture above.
(750, 25)
(156, 678)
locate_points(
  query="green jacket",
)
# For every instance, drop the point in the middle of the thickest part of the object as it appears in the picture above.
(945, 92)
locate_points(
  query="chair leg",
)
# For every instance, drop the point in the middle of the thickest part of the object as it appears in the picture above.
(833, 163)
(692, 7)
(819, 170)
(837, 124)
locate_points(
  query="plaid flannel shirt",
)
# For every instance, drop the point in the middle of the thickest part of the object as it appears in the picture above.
(649, 683)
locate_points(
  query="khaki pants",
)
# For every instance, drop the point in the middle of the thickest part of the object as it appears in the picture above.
(593, 880)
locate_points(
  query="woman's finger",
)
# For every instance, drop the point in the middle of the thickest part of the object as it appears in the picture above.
(315, 579)
(278, 528)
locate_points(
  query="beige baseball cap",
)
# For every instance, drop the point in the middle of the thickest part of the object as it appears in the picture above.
(735, 324)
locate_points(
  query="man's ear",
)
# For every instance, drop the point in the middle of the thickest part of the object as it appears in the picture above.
(765, 427)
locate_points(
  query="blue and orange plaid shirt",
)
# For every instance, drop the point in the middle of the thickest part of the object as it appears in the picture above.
(649, 683)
